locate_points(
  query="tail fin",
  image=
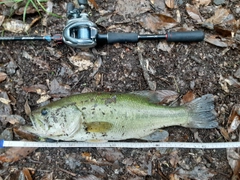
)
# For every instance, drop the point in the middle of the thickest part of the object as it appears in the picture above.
(202, 113)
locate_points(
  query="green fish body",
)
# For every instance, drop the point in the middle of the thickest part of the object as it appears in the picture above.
(109, 116)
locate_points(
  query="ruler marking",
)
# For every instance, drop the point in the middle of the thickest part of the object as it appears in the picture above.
(221, 145)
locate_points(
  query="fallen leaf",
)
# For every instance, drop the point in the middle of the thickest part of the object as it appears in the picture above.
(3, 76)
(198, 173)
(93, 2)
(155, 22)
(39, 89)
(27, 108)
(237, 73)
(201, 2)
(224, 133)
(96, 66)
(136, 171)
(5, 108)
(110, 154)
(232, 81)
(12, 119)
(54, 52)
(48, 176)
(82, 61)
(234, 118)
(159, 4)
(164, 46)
(58, 89)
(2, 17)
(41, 63)
(215, 40)
(133, 8)
(220, 16)
(188, 97)
(234, 162)
(16, 26)
(194, 13)
(170, 3)
(25, 135)
(43, 98)
(27, 174)
(225, 32)
(16, 153)
(174, 159)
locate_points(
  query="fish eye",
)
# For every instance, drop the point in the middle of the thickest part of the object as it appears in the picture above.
(44, 112)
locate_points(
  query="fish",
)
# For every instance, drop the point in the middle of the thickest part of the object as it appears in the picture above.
(101, 117)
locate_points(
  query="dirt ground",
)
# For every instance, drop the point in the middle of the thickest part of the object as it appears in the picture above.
(197, 67)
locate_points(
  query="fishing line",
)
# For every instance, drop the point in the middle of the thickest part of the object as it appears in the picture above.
(187, 145)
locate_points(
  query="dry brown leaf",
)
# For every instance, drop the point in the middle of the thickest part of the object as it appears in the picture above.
(58, 89)
(27, 108)
(39, 89)
(41, 63)
(111, 154)
(16, 26)
(2, 17)
(223, 31)
(232, 81)
(188, 97)
(136, 171)
(234, 118)
(12, 119)
(237, 73)
(170, 3)
(27, 174)
(219, 16)
(194, 13)
(234, 162)
(133, 8)
(16, 153)
(48, 176)
(3, 76)
(25, 135)
(43, 98)
(174, 159)
(155, 22)
(215, 40)
(93, 2)
(201, 2)
(224, 133)
(83, 60)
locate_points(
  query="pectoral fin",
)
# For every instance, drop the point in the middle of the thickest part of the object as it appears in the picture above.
(159, 135)
(98, 127)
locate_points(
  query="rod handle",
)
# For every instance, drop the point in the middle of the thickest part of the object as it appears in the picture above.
(187, 36)
(122, 38)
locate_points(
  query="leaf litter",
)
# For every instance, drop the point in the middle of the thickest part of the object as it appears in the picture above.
(184, 173)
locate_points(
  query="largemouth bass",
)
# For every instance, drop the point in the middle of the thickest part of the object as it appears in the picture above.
(110, 116)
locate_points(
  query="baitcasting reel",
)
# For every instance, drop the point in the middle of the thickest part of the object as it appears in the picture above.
(79, 32)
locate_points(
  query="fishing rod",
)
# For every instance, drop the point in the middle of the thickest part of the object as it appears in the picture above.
(80, 32)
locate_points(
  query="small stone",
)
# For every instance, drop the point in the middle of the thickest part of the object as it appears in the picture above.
(219, 2)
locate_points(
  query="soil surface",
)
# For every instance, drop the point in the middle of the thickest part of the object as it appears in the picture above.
(197, 67)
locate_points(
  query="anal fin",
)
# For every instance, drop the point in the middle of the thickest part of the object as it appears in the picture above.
(159, 135)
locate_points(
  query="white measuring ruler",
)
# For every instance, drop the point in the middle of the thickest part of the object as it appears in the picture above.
(213, 145)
